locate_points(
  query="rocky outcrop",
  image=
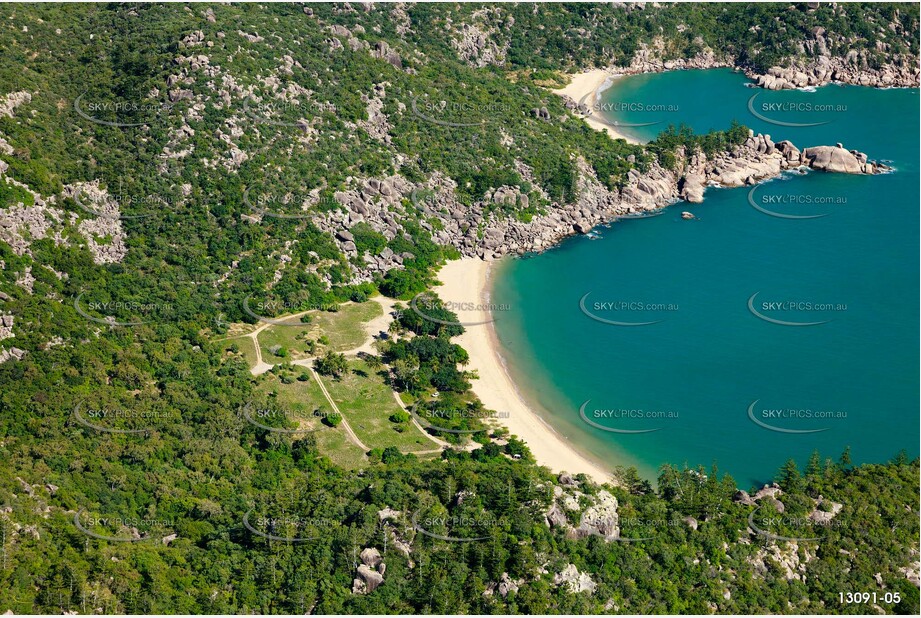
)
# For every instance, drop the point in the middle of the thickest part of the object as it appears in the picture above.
(789, 559)
(851, 69)
(825, 511)
(813, 66)
(370, 572)
(505, 586)
(838, 159)
(10, 102)
(478, 43)
(600, 519)
(477, 230)
(574, 581)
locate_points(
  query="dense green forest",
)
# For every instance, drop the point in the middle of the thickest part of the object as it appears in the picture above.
(223, 133)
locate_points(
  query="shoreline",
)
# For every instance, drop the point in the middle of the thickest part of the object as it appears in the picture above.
(495, 388)
(592, 83)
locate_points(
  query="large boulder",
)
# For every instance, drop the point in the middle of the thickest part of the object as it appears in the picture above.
(367, 581)
(692, 188)
(832, 159)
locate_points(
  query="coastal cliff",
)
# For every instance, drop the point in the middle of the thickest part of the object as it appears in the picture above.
(813, 65)
(478, 231)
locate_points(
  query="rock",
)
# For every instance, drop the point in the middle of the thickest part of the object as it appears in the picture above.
(574, 581)
(775, 503)
(825, 511)
(691, 523)
(367, 581)
(742, 497)
(508, 585)
(555, 517)
(773, 490)
(692, 187)
(371, 557)
(600, 519)
(833, 159)
(345, 235)
(687, 215)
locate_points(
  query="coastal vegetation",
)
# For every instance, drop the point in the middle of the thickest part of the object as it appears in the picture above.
(220, 463)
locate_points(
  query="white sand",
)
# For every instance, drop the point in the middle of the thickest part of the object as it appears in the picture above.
(588, 83)
(466, 281)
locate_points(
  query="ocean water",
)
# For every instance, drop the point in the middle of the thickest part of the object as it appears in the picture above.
(746, 336)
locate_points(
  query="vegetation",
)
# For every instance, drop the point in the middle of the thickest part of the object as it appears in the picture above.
(214, 239)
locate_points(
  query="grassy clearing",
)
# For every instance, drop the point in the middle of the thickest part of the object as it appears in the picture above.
(304, 403)
(367, 402)
(343, 329)
(245, 349)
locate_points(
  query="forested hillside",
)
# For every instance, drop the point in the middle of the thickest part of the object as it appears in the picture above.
(175, 177)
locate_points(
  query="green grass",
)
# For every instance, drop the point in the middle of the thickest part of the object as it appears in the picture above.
(367, 402)
(344, 329)
(246, 349)
(300, 400)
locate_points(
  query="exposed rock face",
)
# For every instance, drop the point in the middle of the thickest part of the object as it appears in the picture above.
(814, 66)
(574, 581)
(825, 511)
(505, 586)
(600, 519)
(10, 102)
(367, 581)
(787, 558)
(479, 43)
(837, 159)
(371, 557)
(851, 69)
(368, 578)
(692, 188)
(742, 497)
(477, 231)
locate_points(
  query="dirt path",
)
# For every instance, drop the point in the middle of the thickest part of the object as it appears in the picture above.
(345, 423)
(373, 328)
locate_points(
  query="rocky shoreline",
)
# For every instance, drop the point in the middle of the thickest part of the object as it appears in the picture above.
(478, 230)
(853, 68)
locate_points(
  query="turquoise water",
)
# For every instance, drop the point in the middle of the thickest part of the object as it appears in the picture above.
(695, 373)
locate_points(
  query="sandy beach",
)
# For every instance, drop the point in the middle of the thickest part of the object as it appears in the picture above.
(588, 83)
(466, 281)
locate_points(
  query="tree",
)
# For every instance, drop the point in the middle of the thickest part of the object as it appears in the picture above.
(331, 364)
(790, 478)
